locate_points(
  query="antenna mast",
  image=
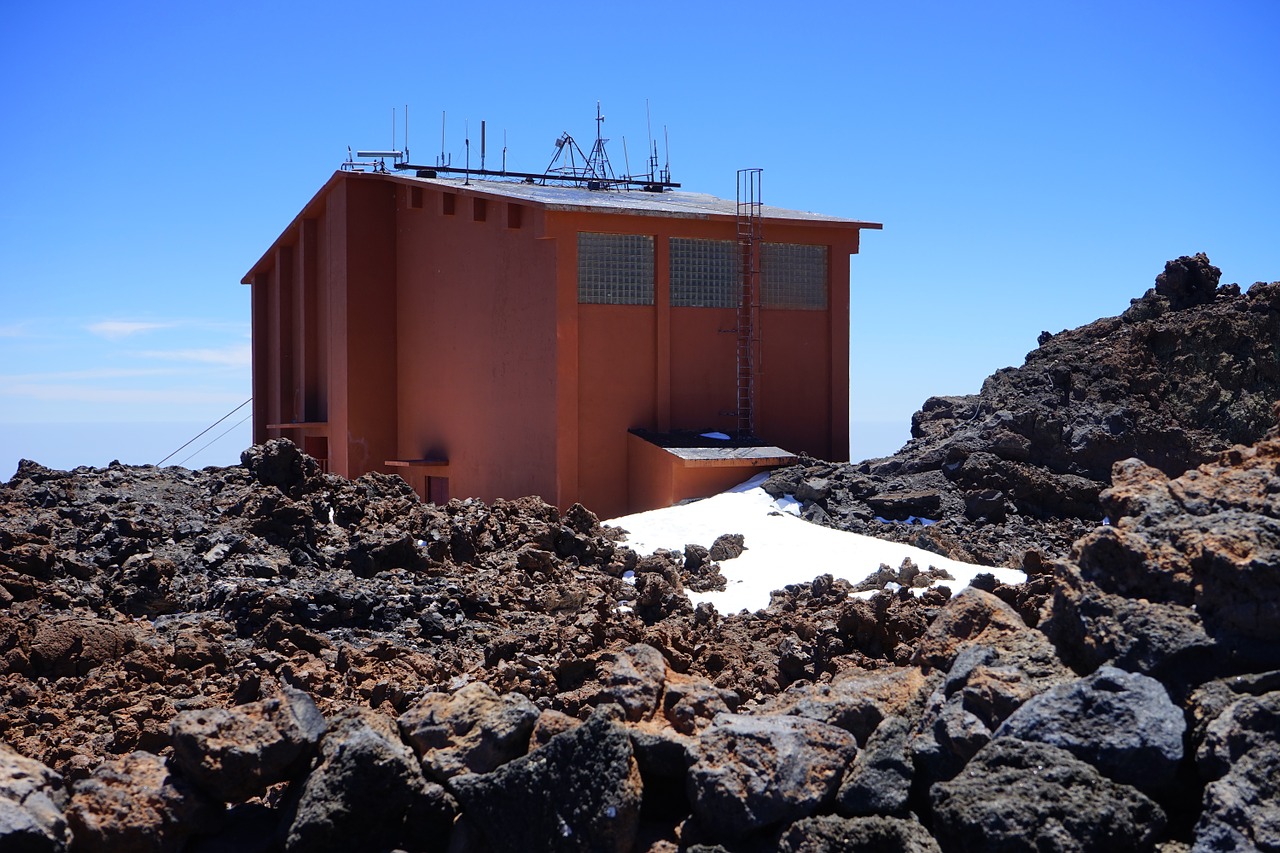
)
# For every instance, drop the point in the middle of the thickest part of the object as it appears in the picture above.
(568, 165)
(598, 165)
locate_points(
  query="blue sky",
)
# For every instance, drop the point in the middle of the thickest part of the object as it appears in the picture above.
(1034, 165)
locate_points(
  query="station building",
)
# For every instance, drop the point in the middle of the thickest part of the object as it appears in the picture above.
(489, 338)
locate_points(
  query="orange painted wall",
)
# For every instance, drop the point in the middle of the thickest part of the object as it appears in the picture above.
(368, 377)
(650, 475)
(704, 369)
(616, 392)
(657, 478)
(476, 345)
(662, 368)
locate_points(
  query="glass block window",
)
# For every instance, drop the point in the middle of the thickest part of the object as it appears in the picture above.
(705, 273)
(615, 269)
(794, 275)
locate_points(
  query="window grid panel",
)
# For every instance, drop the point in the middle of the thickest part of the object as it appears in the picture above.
(794, 276)
(705, 273)
(615, 269)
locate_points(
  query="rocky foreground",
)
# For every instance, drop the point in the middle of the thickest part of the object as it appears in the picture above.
(266, 658)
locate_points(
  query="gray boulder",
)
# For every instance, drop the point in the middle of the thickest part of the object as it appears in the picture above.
(633, 679)
(235, 754)
(1241, 754)
(1021, 796)
(1241, 811)
(1092, 628)
(1249, 725)
(754, 772)
(1122, 723)
(473, 730)
(580, 792)
(367, 792)
(831, 834)
(32, 797)
(984, 685)
(879, 780)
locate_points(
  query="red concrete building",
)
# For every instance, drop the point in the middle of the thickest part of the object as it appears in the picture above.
(499, 339)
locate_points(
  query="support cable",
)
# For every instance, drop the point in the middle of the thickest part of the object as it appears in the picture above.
(220, 435)
(203, 431)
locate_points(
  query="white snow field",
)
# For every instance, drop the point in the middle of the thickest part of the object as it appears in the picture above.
(782, 548)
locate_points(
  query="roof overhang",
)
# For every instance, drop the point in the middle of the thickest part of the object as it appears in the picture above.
(672, 205)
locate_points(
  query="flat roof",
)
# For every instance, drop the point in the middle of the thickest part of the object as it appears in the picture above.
(678, 203)
(672, 203)
(716, 447)
(767, 454)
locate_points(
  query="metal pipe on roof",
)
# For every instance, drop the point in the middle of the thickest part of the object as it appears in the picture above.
(540, 176)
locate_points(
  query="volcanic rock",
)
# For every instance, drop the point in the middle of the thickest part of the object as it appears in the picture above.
(831, 834)
(150, 618)
(582, 791)
(753, 772)
(879, 779)
(1240, 809)
(1020, 466)
(1021, 796)
(367, 792)
(32, 799)
(233, 754)
(1210, 538)
(1121, 723)
(855, 702)
(135, 803)
(1091, 628)
(473, 730)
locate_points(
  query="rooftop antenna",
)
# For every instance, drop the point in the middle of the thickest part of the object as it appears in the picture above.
(569, 164)
(379, 157)
(653, 161)
(598, 163)
(666, 143)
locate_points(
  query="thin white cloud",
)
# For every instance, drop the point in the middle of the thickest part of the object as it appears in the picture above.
(235, 355)
(92, 373)
(114, 330)
(96, 394)
(13, 330)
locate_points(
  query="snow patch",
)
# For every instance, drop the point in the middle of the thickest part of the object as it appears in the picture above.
(781, 548)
